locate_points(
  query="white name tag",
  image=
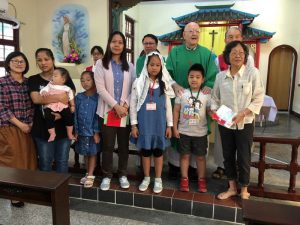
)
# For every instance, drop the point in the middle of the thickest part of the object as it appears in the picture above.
(151, 106)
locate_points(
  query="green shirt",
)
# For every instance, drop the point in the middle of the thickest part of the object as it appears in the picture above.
(180, 59)
(139, 65)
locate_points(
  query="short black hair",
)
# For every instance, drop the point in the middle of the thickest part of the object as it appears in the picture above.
(100, 50)
(64, 73)
(13, 55)
(232, 45)
(150, 36)
(197, 67)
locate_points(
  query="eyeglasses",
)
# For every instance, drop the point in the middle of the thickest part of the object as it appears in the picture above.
(237, 54)
(148, 43)
(192, 31)
(18, 62)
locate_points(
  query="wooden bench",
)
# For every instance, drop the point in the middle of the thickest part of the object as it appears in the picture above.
(293, 167)
(271, 213)
(38, 187)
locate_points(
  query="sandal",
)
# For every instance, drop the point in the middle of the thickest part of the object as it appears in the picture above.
(89, 182)
(245, 195)
(82, 180)
(227, 194)
(219, 174)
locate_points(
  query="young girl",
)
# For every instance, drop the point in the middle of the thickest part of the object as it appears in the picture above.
(57, 86)
(151, 116)
(87, 126)
(114, 77)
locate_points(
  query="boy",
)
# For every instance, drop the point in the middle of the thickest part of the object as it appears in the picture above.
(190, 126)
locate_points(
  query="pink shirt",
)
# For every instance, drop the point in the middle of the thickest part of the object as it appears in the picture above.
(57, 89)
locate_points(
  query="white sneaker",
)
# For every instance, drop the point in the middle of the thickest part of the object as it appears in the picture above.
(157, 185)
(83, 180)
(145, 183)
(124, 182)
(105, 184)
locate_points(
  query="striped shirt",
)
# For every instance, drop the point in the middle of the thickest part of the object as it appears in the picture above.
(15, 101)
(238, 92)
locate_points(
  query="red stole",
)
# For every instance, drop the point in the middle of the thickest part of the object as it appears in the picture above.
(223, 66)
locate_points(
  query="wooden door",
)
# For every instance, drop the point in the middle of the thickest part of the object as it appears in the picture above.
(280, 74)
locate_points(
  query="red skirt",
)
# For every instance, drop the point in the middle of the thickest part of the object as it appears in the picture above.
(17, 149)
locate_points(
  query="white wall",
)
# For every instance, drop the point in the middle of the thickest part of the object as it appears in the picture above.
(37, 30)
(278, 16)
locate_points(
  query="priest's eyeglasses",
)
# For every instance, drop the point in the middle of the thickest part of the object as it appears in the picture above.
(193, 31)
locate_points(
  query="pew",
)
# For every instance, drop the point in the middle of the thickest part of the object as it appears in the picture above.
(43, 188)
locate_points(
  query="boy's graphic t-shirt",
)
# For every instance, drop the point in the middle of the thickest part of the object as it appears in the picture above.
(192, 120)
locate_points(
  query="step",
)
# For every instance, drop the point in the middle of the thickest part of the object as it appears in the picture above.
(189, 203)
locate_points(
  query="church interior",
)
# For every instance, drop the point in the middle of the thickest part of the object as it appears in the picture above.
(273, 43)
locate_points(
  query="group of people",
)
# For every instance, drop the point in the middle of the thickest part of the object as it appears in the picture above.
(158, 99)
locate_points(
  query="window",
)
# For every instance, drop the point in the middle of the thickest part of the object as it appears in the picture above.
(129, 35)
(9, 42)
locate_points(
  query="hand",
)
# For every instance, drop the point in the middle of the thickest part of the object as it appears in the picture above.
(206, 90)
(176, 133)
(44, 93)
(57, 116)
(238, 118)
(72, 108)
(168, 132)
(134, 131)
(97, 138)
(63, 98)
(120, 110)
(178, 89)
(76, 136)
(25, 128)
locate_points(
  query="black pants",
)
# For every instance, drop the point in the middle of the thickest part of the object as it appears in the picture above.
(237, 143)
(66, 116)
(109, 135)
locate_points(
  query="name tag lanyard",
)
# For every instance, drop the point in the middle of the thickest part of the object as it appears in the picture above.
(195, 99)
(151, 105)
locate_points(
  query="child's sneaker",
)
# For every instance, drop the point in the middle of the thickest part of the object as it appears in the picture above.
(184, 184)
(83, 180)
(157, 185)
(105, 184)
(124, 182)
(202, 185)
(145, 183)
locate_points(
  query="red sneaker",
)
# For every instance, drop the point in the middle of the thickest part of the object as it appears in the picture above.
(184, 184)
(202, 185)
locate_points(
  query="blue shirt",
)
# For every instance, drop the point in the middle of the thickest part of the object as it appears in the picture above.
(86, 121)
(118, 80)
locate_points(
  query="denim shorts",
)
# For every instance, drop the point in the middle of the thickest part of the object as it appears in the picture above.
(194, 145)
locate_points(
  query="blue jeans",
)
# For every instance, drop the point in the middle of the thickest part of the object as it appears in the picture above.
(57, 151)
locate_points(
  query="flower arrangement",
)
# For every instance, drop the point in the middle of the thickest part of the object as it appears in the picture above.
(75, 55)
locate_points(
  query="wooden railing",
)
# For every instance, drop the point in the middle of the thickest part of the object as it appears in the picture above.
(293, 168)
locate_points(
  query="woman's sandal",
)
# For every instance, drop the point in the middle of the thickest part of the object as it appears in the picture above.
(227, 194)
(82, 180)
(245, 195)
(219, 174)
(89, 182)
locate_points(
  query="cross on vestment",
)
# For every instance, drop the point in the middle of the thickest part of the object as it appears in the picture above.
(213, 33)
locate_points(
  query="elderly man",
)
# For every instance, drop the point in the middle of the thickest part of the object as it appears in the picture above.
(232, 34)
(180, 59)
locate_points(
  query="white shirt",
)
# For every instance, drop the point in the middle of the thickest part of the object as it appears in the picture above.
(243, 90)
